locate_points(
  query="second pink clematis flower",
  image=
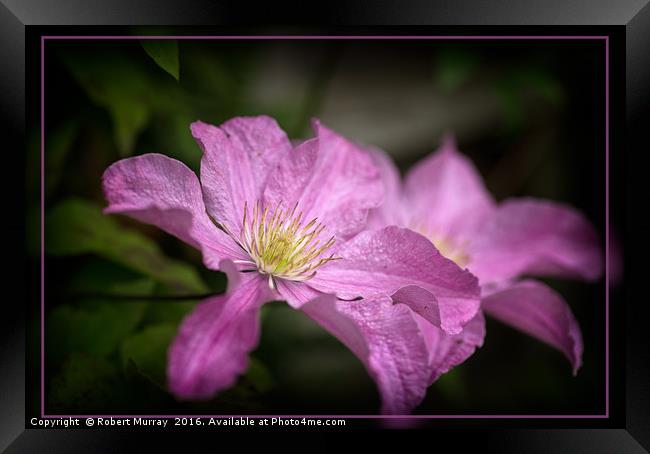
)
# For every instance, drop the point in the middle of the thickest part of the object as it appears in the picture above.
(443, 198)
(287, 223)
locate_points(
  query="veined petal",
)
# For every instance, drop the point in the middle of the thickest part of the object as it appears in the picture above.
(238, 157)
(386, 338)
(393, 210)
(447, 351)
(401, 263)
(537, 310)
(162, 191)
(446, 193)
(331, 179)
(296, 293)
(213, 342)
(537, 237)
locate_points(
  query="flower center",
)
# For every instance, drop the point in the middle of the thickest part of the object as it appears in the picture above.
(452, 249)
(280, 245)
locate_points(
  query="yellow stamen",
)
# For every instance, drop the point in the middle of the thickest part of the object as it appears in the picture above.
(280, 246)
(452, 249)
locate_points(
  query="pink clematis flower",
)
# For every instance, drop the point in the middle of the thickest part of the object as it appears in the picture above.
(286, 223)
(443, 198)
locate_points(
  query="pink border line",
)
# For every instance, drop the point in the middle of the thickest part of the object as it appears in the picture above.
(607, 226)
(320, 37)
(42, 226)
(341, 416)
(325, 37)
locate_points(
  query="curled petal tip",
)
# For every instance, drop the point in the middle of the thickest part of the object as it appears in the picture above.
(315, 123)
(449, 142)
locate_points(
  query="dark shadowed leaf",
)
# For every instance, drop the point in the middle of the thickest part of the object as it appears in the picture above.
(57, 147)
(130, 89)
(258, 376)
(92, 326)
(86, 383)
(164, 53)
(174, 139)
(169, 311)
(118, 86)
(78, 227)
(99, 276)
(148, 351)
(144, 393)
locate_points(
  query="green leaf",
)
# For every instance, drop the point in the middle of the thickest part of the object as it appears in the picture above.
(130, 119)
(148, 351)
(86, 383)
(94, 326)
(76, 226)
(164, 53)
(121, 87)
(99, 276)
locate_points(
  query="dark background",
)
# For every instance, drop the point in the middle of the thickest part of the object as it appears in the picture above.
(529, 113)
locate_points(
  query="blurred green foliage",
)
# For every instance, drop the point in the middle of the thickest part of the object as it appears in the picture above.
(86, 383)
(94, 326)
(60, 144)
(148, 350)
(87, 230)
(454, 68)
(116, 84)
(537, 84)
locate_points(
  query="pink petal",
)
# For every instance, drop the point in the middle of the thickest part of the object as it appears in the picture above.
(331, 179)
(393, 211)
(296, 293)
(446, 194)
(399, 262)
(528, 236)
(537, 310)
(158, 190)
(238, 157)
(213, 342)
(447, 351)
(386, 338)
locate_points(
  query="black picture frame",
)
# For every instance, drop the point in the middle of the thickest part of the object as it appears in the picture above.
(628, 430)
